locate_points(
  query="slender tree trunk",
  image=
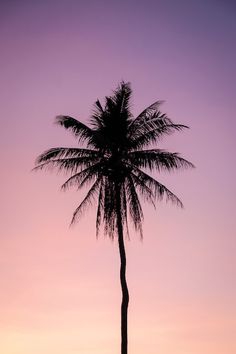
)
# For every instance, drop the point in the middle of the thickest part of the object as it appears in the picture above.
(124, 288)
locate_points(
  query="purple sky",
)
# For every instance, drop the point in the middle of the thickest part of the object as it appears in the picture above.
(58, 57)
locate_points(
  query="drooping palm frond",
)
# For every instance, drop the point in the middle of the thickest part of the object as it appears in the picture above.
(124, 209)
(158, 159)
(85, 176)
(135, 209)
(109, 211)
(67, 159)
(146, 192)
(93, 191)
(71, 165)
(100, 207)
(159, 190)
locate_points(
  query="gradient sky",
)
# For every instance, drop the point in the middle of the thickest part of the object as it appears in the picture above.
(60, 289)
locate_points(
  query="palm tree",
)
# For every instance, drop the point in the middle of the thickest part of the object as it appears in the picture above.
(116, 150)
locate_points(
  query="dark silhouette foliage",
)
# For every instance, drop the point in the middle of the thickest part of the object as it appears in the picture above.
(119, 150)
(117, 153)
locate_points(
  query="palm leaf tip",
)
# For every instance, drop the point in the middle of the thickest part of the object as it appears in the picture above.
(98, 105)
(61, 119)
(41, 159)
(80, 130)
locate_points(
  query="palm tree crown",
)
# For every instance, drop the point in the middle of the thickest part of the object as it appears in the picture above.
(119, 151)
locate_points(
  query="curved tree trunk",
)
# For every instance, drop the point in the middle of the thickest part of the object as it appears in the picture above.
(125, 292)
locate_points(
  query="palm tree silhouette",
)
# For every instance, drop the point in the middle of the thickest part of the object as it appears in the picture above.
(114, 163)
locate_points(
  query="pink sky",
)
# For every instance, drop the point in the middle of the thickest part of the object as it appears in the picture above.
(60, 289)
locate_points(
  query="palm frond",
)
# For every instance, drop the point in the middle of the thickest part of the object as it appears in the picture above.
(158, 189)
(109, 206)
(68, 159)
(80, 178)
(99, 106)
(135, 208)
(149, 130)
(100, 207)
(79, 129)
(66, 165)
(144, 190)
(97, 118)
(86, 201)
(61, 152)
(158, 159)
(147, 112)
(121, 98)
(124, 213)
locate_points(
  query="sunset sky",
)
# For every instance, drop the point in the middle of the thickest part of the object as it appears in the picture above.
(59, 286)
